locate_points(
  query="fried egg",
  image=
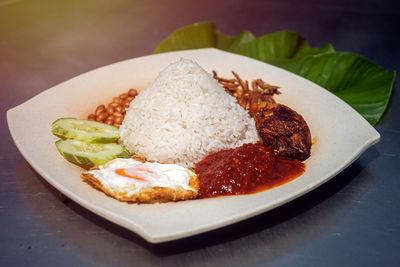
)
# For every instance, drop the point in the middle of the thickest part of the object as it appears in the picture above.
(133, 180)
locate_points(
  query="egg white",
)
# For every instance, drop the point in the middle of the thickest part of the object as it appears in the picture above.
(170, 176)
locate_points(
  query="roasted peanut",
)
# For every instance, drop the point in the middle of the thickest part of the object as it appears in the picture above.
(102, 116)
(115, 111)
(126, 104)
(110, 122)
(119, 109)
(132, 92)
(119, 120)
(118, 100)
(99, 110)
(117, 114)
(92, 117)
(123, 96)
(110, 110)
(112, 104)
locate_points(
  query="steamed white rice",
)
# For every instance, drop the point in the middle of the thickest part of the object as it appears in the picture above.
(184, 116)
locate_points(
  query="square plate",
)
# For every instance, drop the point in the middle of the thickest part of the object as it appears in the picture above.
(341, 136)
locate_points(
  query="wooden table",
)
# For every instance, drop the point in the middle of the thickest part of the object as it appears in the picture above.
(353, 220)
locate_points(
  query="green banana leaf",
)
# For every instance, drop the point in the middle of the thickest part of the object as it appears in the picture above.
(359, 82)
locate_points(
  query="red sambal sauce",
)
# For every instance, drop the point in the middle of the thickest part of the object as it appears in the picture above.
(247, 169)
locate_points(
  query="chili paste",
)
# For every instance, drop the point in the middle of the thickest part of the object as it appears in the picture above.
(247, 169)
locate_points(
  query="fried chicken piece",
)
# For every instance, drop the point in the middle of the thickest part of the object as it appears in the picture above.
(284, 130)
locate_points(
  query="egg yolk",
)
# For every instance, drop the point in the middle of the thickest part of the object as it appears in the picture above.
(139, 172)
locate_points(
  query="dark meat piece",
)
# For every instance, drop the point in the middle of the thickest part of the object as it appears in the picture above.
(278, 126)
(284, 130)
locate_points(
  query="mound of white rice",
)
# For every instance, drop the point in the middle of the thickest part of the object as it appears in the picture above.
(184, 116)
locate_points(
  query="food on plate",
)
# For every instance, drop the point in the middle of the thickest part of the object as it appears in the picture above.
(143, 182)
(84, 130)
(114, 113)
(183, 116)
(87, 155)
(253, 98)
(278, 126)
(87, 143)
(246, 169)
(185, 137)
(284, 130)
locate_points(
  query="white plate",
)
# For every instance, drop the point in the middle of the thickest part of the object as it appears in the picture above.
(341, 136)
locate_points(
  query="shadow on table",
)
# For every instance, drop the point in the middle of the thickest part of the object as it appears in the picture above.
(263, 221)
(262, 224)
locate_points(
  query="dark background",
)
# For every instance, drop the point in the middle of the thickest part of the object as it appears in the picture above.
(353, 220)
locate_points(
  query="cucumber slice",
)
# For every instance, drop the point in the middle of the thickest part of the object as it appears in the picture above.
(87, 155)
(84, 130)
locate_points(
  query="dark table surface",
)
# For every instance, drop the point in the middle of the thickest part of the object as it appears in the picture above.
(352, 220)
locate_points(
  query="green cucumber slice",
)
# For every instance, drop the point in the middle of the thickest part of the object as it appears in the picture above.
(87, 155)
(84, 130)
